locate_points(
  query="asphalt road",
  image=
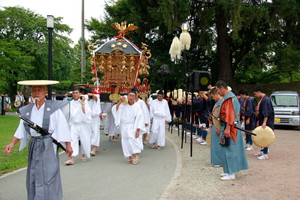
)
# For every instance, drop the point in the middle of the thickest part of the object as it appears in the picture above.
(107, 175)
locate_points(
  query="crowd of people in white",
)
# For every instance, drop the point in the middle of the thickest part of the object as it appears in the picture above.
(128, 119)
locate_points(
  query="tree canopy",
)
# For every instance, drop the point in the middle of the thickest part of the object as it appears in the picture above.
(239, 41)
(24, 48)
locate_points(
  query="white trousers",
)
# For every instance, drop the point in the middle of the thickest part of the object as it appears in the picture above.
(95, 139)
(110, 126)
(158, 131)
(81, 132)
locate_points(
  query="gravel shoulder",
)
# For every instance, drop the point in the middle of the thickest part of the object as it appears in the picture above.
(275, 178)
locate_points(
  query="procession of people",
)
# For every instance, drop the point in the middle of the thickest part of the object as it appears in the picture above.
(75, 125)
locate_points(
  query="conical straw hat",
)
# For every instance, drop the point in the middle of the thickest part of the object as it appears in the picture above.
(38, 82)
(264, 137)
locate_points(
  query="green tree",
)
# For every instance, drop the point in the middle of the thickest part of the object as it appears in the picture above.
(24, 48)
(239, 41)
(267, 49)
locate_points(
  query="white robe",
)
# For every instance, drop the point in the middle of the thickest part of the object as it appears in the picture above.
(80, 127)
(58, 127)
(129, 118)
(110, 127)
(160, 113)
(95, 124)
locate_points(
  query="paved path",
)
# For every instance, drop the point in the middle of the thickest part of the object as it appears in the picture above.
(10, 113)
(108, 175)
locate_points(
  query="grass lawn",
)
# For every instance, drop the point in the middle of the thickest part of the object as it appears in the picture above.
(17, 159)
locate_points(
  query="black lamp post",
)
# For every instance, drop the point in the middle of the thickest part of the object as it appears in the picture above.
(82, 39)
(2, 99)
(164, 71)
(50, 26)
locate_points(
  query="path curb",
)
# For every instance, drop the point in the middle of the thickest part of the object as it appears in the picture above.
(177, 172)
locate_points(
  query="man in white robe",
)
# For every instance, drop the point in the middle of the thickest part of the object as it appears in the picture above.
(43, 174)
(96, 111)
(80, 127)
(160, 113)
(110, 127)
(129, 117)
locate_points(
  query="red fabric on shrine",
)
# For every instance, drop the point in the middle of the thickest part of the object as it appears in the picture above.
(227, 114)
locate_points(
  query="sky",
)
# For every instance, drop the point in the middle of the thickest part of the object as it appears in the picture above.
(69, 10)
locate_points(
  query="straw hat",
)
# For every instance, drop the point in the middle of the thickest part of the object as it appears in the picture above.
(38, 82)
(264, 137)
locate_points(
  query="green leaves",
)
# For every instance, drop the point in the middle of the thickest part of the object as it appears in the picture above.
(24, 48)
(262, 38)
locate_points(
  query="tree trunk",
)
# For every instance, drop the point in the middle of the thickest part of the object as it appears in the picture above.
(223, 47)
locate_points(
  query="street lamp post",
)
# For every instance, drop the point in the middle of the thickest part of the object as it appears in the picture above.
(82, 41)
(50, 26)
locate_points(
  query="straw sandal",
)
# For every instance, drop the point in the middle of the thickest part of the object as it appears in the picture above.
(83, 158)
(135, 161)
(69, 162)
(95, 149)
(129, 160)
